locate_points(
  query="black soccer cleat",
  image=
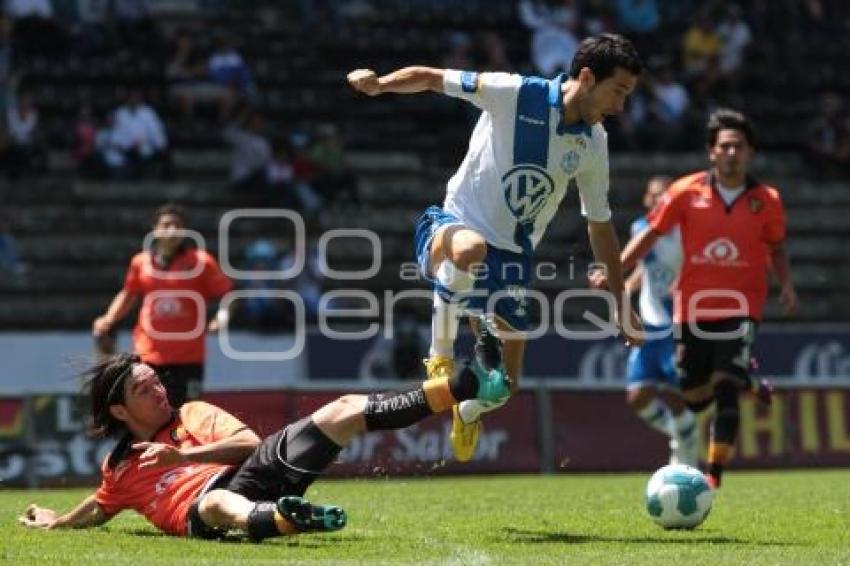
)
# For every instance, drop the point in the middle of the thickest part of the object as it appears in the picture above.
(309, 518)
(488, 347)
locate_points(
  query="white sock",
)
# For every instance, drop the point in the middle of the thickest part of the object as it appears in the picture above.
(471, 410)
(658, 416)
(446, 316)
(684, 424)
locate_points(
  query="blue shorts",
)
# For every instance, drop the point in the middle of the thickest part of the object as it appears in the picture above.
(508, 273)
(653, 363)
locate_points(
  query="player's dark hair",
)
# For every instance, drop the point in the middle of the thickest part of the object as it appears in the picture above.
(169, 208)
(603, 53)
(727, 119)
(104, 383)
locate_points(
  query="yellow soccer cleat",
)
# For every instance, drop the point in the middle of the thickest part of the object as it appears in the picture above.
(439, 366)
(464, 437)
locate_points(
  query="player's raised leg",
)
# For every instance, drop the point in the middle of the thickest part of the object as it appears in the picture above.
(302, 451)
(452, 252)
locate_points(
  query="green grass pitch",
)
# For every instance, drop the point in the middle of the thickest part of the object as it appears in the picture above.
(787, 517)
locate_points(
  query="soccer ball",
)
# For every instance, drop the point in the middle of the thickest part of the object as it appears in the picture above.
(678, 497)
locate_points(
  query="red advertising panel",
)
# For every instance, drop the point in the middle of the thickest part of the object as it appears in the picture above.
(595, 431)
(591, 431)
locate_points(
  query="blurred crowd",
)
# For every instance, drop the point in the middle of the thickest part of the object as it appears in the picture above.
(696, 53)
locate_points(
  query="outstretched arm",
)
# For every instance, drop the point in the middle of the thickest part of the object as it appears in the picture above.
(403, 81)
(87, 514)
(638, 247)
(118, 309)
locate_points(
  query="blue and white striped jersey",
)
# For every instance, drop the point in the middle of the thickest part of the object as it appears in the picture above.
(521, 157)
(660, 269)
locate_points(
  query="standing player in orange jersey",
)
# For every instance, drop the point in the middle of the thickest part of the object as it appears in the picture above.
(733, 234)
(175, 282)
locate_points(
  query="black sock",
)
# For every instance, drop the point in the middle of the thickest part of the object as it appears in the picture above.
(464, 384)
(261, 524)
(390, 411)
(728, 417)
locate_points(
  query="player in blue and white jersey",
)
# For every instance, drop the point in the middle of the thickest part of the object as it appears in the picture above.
(652, 384)
(534, 136)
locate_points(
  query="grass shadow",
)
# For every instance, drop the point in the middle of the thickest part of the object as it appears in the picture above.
(315, 540)
(700, 537)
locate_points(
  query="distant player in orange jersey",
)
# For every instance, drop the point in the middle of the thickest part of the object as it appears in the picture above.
(175, 281)
(733, 234)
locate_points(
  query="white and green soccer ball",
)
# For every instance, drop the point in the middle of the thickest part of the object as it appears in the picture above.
(678, 497)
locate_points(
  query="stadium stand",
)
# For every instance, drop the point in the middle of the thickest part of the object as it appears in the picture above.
(76, 234)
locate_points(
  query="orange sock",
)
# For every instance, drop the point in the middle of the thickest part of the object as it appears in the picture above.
(283, 525)
(438, 394)
(719, 453)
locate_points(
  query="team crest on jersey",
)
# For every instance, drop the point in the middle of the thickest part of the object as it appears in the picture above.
(756, 204)
(527, 188)
(570, 161)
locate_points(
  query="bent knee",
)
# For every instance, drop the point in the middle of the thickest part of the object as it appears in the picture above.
(640, 397)
(212, 504)
(467, 248)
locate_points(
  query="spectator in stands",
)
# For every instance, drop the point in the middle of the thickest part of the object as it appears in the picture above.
(110, 150)
(333, 179)
(175, 282)
(250, 152)
(700, 44)
(25, 152)
(735, 37)
(826, 144)
(84, 151)
(227, 69)
(142, 135)
(10, 258)
(191, 82)
(553, 41)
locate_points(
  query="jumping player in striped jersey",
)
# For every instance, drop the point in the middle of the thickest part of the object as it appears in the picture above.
(533, 138)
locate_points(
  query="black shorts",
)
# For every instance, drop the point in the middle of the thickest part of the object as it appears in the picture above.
(698, 357)
(285, 463)
(182, 382)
